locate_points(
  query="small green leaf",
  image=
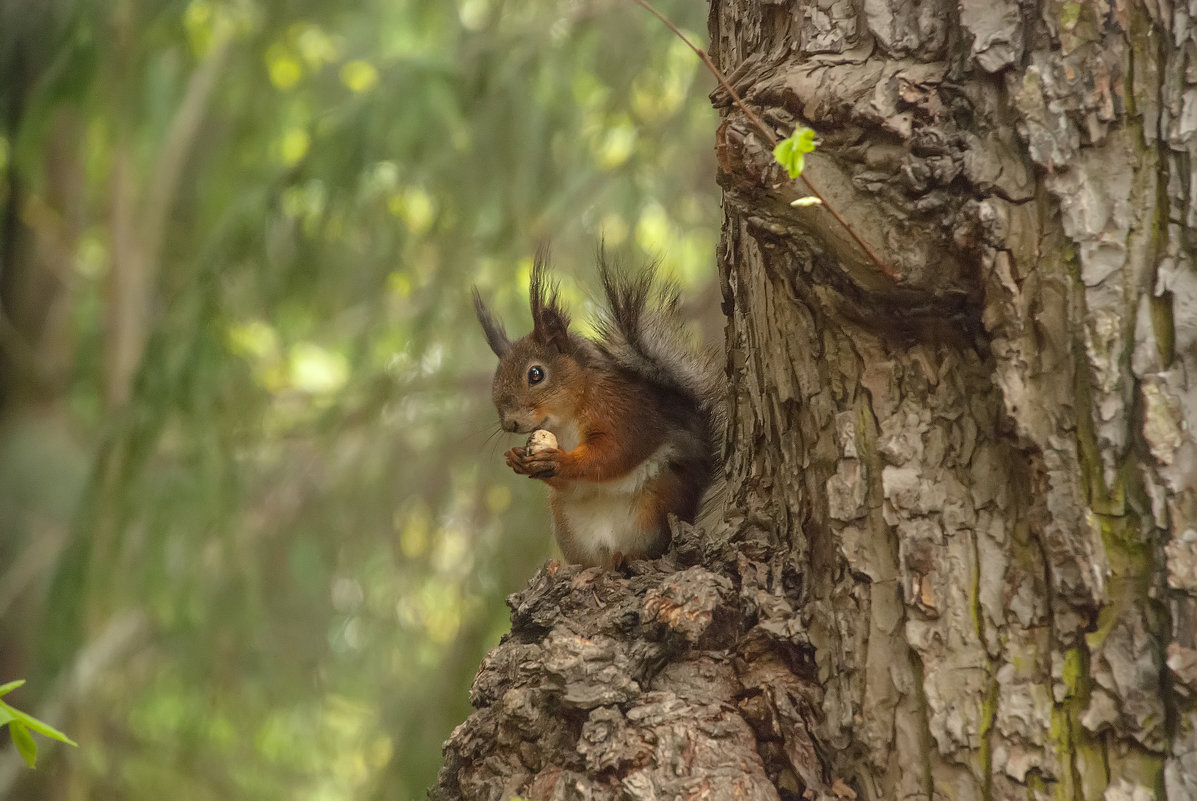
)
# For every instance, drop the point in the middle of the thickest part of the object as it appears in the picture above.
(20, 723)
(23, 740)
(46, 730)
(791, 151)
(24, 720)
(805, 139)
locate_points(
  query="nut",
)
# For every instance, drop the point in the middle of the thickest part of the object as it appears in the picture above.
(541, 440)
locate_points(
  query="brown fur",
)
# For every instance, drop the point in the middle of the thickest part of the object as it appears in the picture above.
(632, 412)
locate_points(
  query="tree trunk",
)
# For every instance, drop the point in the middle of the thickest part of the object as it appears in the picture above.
(959, 557)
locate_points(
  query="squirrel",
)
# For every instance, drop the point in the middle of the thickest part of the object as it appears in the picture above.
(634, 412)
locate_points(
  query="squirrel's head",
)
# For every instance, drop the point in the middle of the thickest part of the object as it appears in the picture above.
(541, 377)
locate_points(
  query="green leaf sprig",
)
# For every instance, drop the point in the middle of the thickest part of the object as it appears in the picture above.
(791, 151)
(19, 724)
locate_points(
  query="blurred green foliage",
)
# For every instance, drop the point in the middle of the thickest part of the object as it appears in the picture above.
(257, 530)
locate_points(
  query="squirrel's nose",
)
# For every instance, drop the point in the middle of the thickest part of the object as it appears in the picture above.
(509, 424)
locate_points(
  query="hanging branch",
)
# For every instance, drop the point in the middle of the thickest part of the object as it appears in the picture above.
(768, 134)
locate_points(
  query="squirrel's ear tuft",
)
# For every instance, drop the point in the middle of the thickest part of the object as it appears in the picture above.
(496, 335)
(552, 329)
(550, 322)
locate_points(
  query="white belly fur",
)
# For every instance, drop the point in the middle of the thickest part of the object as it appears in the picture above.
(602, 515)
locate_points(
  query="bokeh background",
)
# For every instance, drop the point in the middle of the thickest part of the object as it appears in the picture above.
(255, 527)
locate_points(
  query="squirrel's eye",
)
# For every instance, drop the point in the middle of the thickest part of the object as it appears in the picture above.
(535, 374)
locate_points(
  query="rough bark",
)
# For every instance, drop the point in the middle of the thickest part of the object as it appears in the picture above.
(666, 681)
(959, 558)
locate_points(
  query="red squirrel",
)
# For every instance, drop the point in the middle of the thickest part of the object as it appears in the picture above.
(633, 410)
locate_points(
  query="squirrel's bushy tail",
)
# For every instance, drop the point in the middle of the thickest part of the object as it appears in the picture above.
(644, 333)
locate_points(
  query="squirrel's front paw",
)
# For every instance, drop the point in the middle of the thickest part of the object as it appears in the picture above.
(542, 463)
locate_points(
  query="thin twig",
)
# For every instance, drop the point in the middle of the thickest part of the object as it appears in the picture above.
(755, 120)
(706, 59)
